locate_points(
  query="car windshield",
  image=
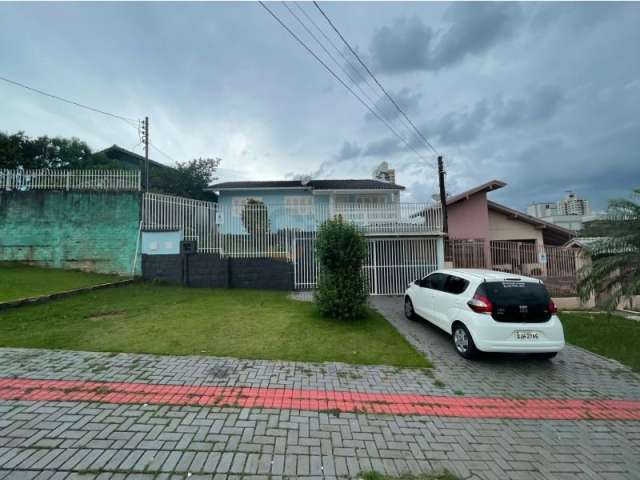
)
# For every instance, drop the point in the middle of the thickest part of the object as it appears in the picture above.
(516, 292)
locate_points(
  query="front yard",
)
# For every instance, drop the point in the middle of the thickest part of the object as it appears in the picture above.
(21, 281)
(256, 324)
(612, 336)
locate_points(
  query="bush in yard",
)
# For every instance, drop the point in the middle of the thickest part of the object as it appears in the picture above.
(341, 250)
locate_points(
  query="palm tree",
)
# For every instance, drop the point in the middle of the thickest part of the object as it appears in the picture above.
(614, 272)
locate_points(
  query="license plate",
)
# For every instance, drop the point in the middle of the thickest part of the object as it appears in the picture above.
(526, 335)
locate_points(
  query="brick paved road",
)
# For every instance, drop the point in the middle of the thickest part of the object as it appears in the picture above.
(109, 441)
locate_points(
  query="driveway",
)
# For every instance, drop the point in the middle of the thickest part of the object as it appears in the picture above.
(574, 373)
(115, 416)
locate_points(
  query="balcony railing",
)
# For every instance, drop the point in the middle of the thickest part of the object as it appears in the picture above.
(392, 218)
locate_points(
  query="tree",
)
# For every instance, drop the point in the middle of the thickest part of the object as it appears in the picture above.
(614, 272)
(187, 179)
(20, 151)
(341, 250)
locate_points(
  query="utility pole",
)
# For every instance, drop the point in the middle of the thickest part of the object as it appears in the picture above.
(443, 196)
(144, 168)
(146, 154)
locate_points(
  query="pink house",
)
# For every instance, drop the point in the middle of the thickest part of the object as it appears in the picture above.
(472, 216)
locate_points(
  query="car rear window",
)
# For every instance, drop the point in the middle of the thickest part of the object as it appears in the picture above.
(516, 301)
(514, 292)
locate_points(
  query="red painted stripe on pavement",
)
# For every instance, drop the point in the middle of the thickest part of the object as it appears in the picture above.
(317, 400)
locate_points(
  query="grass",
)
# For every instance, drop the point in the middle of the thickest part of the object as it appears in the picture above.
(612, 336)
(151, 318)
(21, 281)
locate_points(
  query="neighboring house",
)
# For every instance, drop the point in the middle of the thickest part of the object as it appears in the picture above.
(131, 160)
(296, 204)
(472, 216)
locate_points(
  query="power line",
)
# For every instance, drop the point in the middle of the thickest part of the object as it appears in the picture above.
(163, 153)
(334, 75)
(340, 66)
(355, 54)
(335, 47)
(130, 121)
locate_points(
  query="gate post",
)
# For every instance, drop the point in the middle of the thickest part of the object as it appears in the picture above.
(440, 252)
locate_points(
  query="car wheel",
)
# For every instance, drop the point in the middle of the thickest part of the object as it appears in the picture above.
(547, 355)
(409, 312)
(463, 342)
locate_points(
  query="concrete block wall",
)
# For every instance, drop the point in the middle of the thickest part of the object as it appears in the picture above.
(93, 231)
(261, 273)
(210, 270)
(206, 270)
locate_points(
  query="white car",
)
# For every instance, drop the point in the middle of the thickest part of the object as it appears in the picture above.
(488, 311)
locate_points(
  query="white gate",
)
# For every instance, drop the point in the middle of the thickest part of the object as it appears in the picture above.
(390, 265)
(196, 218)
(393, 263)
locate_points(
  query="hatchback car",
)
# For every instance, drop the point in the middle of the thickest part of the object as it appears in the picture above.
(488, 311)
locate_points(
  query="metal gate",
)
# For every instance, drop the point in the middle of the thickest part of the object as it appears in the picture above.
(390, 265)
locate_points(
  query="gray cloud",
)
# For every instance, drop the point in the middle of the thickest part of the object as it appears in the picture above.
(461, 127)
(540, 105)
(383, 147)
(348, 151)
(409, 45)
(407, 100)
(405, 46)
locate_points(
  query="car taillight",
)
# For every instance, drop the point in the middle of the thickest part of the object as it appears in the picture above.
(552, 308)
(480, 304)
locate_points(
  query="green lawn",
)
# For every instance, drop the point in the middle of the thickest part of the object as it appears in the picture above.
(21, 281)
(612, 336)
(162, 319)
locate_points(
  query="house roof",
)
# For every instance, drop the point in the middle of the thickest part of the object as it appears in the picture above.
(584, 242)
(116, 151)
(355, 184)
(485, 187)
(552, 233)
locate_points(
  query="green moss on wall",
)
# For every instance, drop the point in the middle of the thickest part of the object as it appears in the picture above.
(94, 231)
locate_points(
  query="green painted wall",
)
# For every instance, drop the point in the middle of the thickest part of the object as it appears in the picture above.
(94, 231)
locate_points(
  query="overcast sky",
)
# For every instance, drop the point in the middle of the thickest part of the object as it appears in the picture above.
(543, 96)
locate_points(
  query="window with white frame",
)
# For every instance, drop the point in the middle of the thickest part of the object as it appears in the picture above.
(238, 203)
(298, 204)
(371, 200)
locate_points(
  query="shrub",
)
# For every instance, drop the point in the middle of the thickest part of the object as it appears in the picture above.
(341, 250)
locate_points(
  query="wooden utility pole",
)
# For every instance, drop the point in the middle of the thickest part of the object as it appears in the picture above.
(443, 196)
(146, 154)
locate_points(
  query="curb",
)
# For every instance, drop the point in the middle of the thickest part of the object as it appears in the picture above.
(68, 293)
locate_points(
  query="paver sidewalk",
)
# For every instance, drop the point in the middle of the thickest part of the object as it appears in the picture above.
(94, 439)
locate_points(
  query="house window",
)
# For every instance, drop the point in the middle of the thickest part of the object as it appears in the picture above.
(298, 204)
(238, 203)
(371, 200)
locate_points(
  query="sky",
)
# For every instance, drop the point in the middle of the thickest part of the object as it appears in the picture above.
(544, 96)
